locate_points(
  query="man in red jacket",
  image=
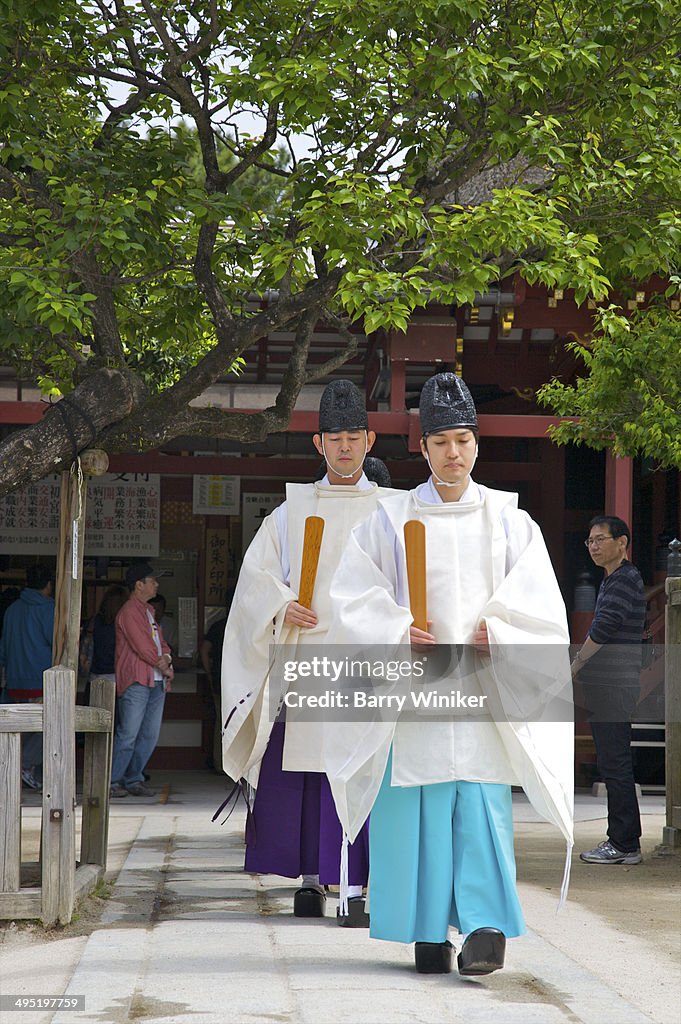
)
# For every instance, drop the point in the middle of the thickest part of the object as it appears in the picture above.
(143, 672)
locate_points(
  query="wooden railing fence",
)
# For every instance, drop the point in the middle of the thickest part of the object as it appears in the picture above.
(63, 879)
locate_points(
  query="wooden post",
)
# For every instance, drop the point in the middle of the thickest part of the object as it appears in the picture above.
(69, 584)
(671, 834)
(10, 801)
(97, 779)
(59, 795)
(59, 741)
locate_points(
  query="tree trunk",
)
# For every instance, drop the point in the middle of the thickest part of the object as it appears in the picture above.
(75, 422)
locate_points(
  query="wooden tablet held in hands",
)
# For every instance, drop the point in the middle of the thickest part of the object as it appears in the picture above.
(415, 547)
(312, 542)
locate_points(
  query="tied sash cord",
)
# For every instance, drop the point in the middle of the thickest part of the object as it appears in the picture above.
(566, 876)
(232, 797)
(344, 874)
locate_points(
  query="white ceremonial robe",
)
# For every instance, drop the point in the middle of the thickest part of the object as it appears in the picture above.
(256, 633)
(486, 560)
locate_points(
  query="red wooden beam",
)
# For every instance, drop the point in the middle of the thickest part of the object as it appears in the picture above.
(216, 465)
(515, 426)
(302, 422)
(283, 358)
(306, 422)
(22, 412)
(493, 426)
(261, 470)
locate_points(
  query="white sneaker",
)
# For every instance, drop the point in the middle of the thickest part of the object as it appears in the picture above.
(606, 853)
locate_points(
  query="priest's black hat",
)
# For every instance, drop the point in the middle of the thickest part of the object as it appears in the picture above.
(446, 404)
(342, 407)
(377, 471)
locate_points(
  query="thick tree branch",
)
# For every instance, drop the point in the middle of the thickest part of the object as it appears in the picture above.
(211, 35)
(246, 427)
(207, 281)
(107, 341)
(237, 337)
(341, 356)
(295, 375)
(266, 142)
(152, 425)
(66, 344)
(69, 426)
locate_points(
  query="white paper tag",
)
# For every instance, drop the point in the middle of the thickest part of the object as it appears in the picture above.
(74, 551)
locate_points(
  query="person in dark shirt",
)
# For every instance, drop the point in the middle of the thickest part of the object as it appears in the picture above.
(608, 667)
(210, 653)
(104, 631)
(26, 652)
(8, 596)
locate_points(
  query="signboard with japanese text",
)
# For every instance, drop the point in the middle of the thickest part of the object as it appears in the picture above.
(122, 520)
(254, 509)
(216, 495)
(186, 623)
(29, 518)
(217, 566)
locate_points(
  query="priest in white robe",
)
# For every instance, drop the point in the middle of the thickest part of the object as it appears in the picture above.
(439, 790)
(293, 829)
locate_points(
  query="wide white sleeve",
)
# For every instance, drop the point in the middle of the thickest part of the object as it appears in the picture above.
(280, 517)
(529, 673)
(367, 591)
(527, 606)
(254, 627)
(367, 617)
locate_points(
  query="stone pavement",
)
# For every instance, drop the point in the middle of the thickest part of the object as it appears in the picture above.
(188, 938)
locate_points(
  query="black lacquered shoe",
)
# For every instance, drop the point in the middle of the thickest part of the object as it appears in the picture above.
(309, 902)
(356, 916)
(482, 952)
(433, 957)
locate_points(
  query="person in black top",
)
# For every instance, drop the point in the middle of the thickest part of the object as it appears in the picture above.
(98, 639)
(609, 666)
(104, 631)
(210, 653)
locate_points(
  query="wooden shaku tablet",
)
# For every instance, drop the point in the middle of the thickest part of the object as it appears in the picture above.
(415, 547)
(312, 542)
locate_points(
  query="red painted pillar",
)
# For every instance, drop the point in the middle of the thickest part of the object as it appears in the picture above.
(552, 516)
(618, 487)
(398, 386)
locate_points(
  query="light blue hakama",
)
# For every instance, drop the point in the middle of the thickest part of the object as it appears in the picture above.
(442, 855)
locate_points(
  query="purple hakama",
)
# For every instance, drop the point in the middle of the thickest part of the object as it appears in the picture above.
(294, 829)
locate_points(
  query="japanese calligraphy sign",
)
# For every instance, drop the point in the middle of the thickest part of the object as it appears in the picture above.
(123, 516)
(255, 508)
(217, 566)
(216, 495)
(186, 620)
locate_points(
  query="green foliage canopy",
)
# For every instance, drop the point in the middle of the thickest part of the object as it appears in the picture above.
(432, 148)
(630, 401)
